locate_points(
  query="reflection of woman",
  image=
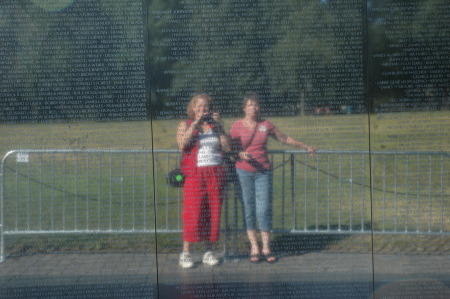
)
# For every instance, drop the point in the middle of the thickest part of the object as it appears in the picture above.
(202, 140)
(249, 136)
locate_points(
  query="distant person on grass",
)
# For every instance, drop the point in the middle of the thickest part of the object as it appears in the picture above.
(249, 138)
(202, 141)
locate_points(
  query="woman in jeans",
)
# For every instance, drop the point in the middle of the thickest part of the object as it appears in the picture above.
(249, 138)
(203, 141)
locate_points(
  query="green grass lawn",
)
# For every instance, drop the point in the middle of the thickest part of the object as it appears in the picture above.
(112, 191)
(413, 131)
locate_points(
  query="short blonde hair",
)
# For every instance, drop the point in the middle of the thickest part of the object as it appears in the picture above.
(194, 99)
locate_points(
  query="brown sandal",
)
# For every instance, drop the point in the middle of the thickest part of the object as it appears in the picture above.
(255, 258)
(270, 258)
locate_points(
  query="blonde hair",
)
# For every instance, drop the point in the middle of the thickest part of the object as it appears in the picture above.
(194, 99)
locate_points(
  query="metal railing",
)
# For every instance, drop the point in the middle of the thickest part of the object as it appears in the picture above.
(125, 191)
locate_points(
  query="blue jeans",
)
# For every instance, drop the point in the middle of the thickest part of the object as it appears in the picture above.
(256, 197)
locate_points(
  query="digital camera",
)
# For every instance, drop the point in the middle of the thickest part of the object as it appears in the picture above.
(208, 118)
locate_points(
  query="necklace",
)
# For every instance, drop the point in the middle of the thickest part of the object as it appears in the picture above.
(249, 123)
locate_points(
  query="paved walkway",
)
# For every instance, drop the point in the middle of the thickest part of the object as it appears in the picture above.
(312, 275)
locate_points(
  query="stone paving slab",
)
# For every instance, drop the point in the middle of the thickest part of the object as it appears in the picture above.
(312, 275)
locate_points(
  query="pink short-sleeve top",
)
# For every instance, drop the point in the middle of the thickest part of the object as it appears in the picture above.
(242, 135)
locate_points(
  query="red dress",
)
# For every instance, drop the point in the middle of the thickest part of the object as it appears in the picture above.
(202, 194)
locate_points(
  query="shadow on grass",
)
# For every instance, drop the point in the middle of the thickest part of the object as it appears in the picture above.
(83, 243)
(298, 244)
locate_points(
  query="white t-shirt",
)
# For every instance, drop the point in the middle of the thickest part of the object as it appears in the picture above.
(209, 149)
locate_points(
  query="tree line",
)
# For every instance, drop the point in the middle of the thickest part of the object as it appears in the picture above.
(313, 56)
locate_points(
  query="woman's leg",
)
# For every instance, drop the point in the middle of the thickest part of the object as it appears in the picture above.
(247, 182)
(266, 251)
(263, 200)
(214, 179)
(265, 236)
(193, 193)
(264, 211)
(191, 211)
(254, 251)
(186, 246)
(186, 260)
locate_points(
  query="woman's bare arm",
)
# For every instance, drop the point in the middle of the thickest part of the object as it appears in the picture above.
(185, 133)
(283, 138)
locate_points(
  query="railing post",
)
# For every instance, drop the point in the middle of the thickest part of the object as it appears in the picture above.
(237, 194)
(294, 210)
(2, 244)
(227, 228)
(2, 197)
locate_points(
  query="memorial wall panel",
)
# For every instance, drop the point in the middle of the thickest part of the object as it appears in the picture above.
(73, 88)
(313, 137)
(409, 89)
(305, 62)
(72, 60)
